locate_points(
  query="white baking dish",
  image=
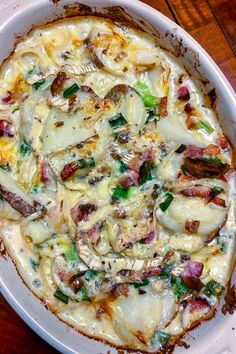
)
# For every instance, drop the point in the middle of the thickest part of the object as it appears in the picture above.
(17, 17)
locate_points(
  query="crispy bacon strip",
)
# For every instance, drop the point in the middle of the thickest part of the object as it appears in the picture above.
(58, 82)
(197, 191)
(202, 169)
(82, 211)
(69, 169)
(163, 106)
(118, 290)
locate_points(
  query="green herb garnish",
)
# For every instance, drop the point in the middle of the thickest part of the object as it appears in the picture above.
(38, 84)
(213, 288)
(24, 148)
(117, 121)
(86, 163)
(34, 264)
(91, 274)
(211, 159)
(84, 294)
(179, 288)
(123, 167)
(204, 126)
(60, 296)
(181, 149)
(217, 190)
(71, 253)
(71, 90)
(144, 283)
(159, 338)
(146, 172)
(143, 91)
(167, 201)
(123, 193)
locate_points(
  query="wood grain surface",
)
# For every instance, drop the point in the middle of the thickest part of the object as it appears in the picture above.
(213, 24)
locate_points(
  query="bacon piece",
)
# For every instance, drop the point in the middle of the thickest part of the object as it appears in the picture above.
(100, 311)
(188, 108)
(44, 173)
(8, 99)
(118, 290)
(72, 102)
(223, 142)
(126, 182)
(82, 211)
(6, 129)
(147, 273)
(205, 169)
(58, 82)
(211, 150)
(226, 177)
(193, 269)
(69, 169)
(197, 191)
(218, 201)
(183, 93)
(163, 106)
(195, 311)
(192, 226)
(184, 178)
(148, 155)
(58, 124)
(150, 238)
(76, 283)
(86, 89)
(194, 152)
(191, 122)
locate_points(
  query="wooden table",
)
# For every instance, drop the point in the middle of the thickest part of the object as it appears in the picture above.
(213, 24)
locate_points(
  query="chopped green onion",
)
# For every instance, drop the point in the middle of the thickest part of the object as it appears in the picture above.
(91, 274)
(16, 109)
(148, 99)
(146, 172)
(167, 201)
(179, 287)
(84, 294)
(183, 169)
(38, 84)
(86, 163)
(123, 167)
(159, 338)
(35, 189)
(117, 121)
(211, 159)
(5, 167)
(213, 288)
(217, 189)
(123, 193)
(71, 253)
(181, 149)
(25, 148)
(204, 126)
(60, 296)
(144, 283)
(71, 90)
(34, 264)
(151, 117)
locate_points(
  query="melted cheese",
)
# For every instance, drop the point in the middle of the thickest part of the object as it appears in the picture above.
(111, 129)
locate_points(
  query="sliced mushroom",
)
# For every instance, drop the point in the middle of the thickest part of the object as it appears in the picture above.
(17, 197)
(202, 169)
